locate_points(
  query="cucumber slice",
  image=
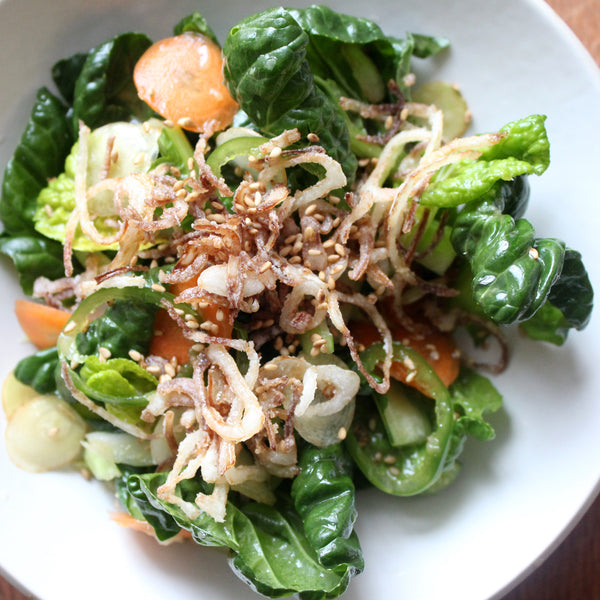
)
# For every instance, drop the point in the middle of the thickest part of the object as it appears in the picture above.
(14, 394)
(450, 101)
(44, 434)
(403, 411)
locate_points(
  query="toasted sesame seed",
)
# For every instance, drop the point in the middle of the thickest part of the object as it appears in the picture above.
(312, 137)
(533, 253)
(275, 153)
(394, 471)
(390, 459)
(310, 210)
(69, 327)
(270, 366)
(185, 122)
(104, 352)
(158, 288)
(294, 260)
(314, 252)
(332, 258)
(330, 243)
(266, 266)
(135, 355)
(342, 433)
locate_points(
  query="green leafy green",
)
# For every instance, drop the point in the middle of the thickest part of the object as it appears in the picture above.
(39, 157)
(523, 149)
(195, 23)
(267, 73)
(474, 395)
(65, 73)
(323, 494)
(569, 304)
(33, 257)
(39, 370)
(269, 547)
(117, 381)
(104, 91)
(123, 327)
(513, 271)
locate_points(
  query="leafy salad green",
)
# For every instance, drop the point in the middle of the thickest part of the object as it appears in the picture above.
(245, 308)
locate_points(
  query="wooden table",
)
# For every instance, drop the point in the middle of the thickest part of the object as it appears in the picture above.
(572, 571)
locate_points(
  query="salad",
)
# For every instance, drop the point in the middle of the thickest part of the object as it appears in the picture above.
(249, 296)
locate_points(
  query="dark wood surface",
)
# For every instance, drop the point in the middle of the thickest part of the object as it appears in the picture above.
(572, 571)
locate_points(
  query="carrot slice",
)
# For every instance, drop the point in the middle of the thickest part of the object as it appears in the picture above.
(169, 341)
(181, 78)
(41, 323)
(437, 348)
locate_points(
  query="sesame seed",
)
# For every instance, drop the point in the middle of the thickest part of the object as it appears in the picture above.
(158, 288)
(329, 244)
(312, 137)
(135, 355)
(69, 327)
(310, 210)
(394, 471)
(332, 258)
(185, 122)
(342, 433)
(390, 459)
(266, 266)
(533, 253)
(276, 152)
(270, 366)
(314, 252)
(294, 260)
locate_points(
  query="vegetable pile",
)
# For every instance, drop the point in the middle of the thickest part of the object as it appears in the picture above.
(248, 267)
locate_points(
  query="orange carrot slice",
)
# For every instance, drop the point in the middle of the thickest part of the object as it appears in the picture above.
(41, 323)
(181, 78)
(436, 347)
(169, 341)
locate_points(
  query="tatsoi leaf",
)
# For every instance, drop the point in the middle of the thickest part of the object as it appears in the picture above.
(195, 23)
(323, 494)
(39, 156)
(524, 149)
(105, 92)
(473, 395)
(270, 549)
(65, 73)
(569, 304)
(33, 257)
(267, 73)
(39, 370)
(118, 381)
(572, 294)
(123, 327)
(513, 271)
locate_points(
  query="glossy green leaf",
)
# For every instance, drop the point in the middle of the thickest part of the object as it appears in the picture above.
(39, 156)
(523, 149)
(269, 547)
(104, 91)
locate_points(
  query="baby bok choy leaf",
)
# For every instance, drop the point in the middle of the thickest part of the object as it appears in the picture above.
(269, 547)
(518, 277)
(268, 74)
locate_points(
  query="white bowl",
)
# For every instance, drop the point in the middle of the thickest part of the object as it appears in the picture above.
(517, 496)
